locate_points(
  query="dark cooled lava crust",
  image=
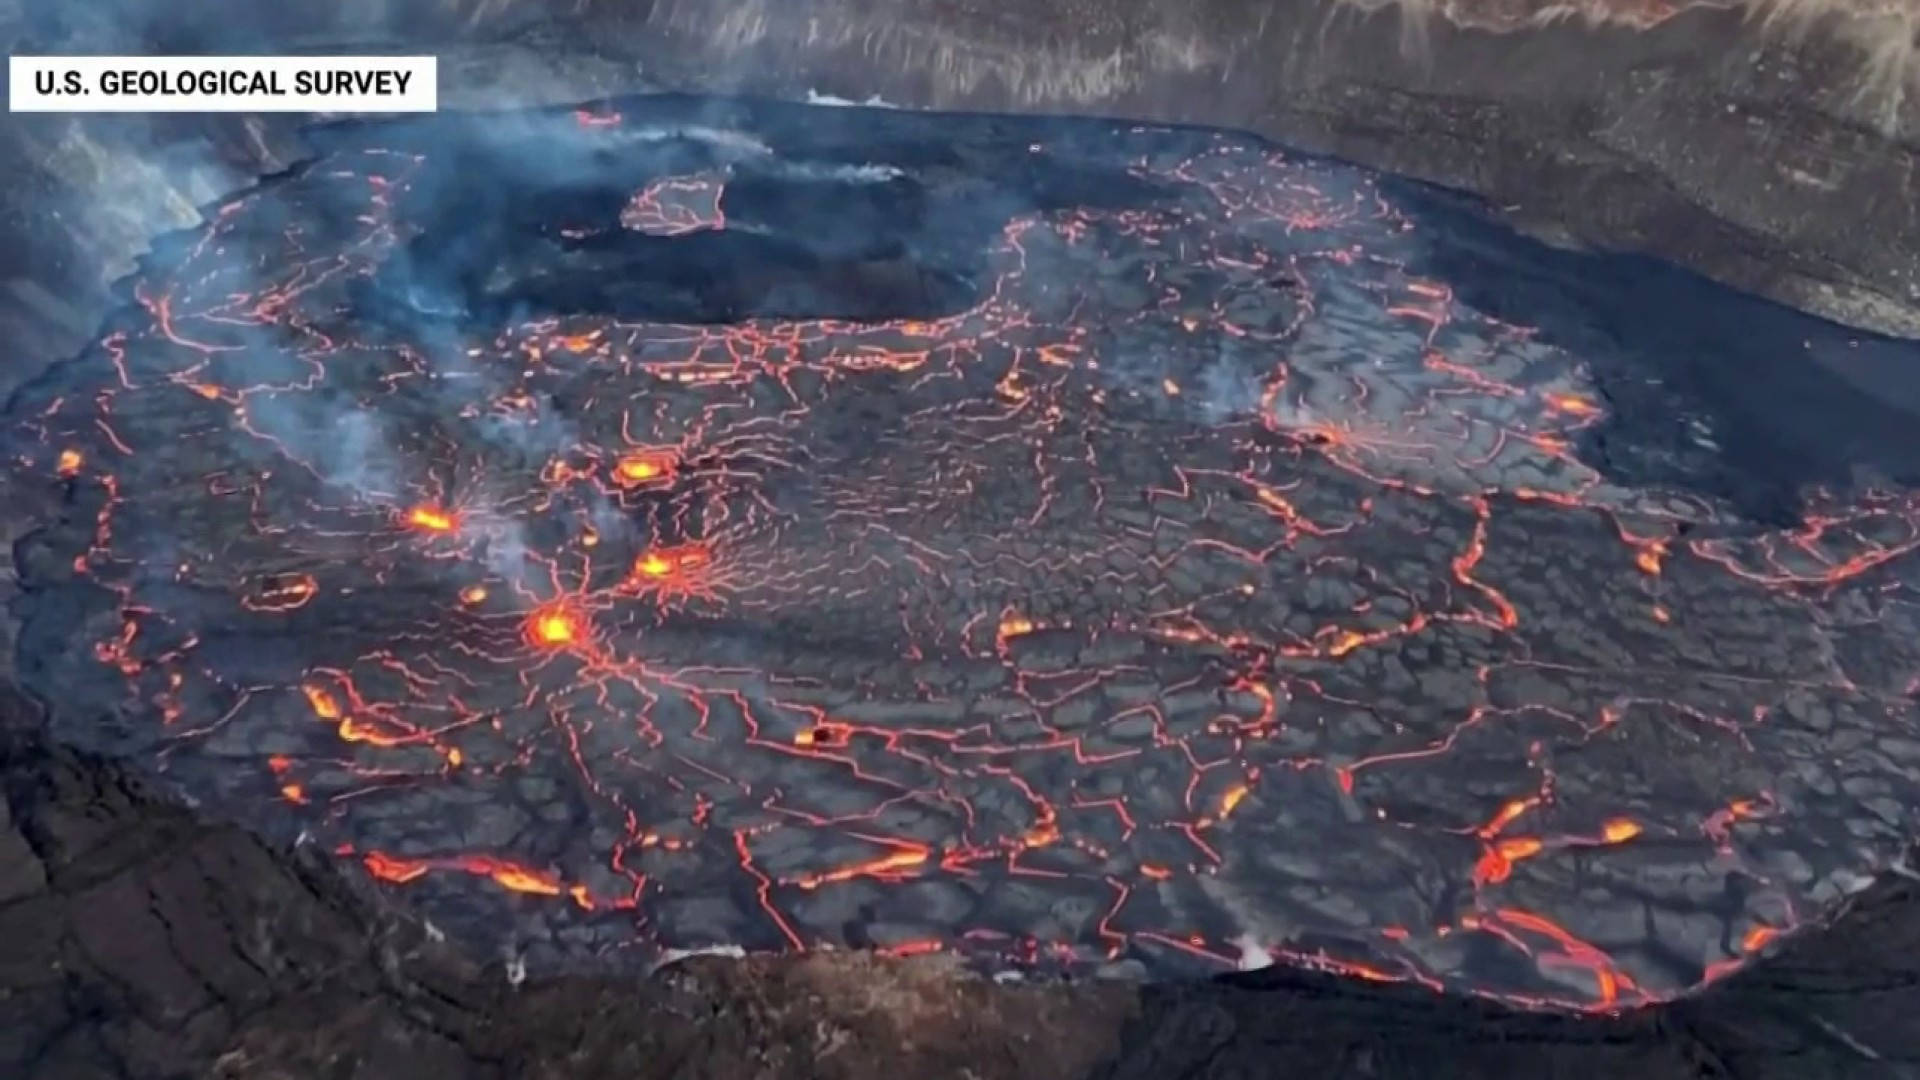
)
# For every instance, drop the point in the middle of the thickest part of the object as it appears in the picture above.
(672, 524)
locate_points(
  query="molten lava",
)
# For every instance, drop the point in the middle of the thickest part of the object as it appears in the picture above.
(325, 706)
(638, 469)
(554, 628)
(431, 519)
(667, 526)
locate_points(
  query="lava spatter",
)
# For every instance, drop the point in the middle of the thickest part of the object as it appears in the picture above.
(431, 519)
(643, 469)
(641, 528)
(556, 627)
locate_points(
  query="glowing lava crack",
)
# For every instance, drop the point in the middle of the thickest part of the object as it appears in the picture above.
(1058, 543)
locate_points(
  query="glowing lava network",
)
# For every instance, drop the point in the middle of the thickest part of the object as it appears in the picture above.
(622, 532)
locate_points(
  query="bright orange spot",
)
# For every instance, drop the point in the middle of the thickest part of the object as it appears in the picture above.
(1516, 848)
(1014, 626)
(1620, 830)
(1362, 971)
(454, 757)
(581, 897)
(637, 469)
(825, 734)
(1649, 558)
(1508, 812)
(892, 863)
(1496, 865)
(1172, 388)
(1568, 403)
(1041, 835)
(520, 879)
(664, 563)
(1348, 641)
(1157, 873)
(1757, 937)
(70, 462)
(396, 870)
(294, 793)
(1609, 985)
(578, 342)
(473, 594)
(324, 704)
(553, 627)
(352, 732)
(1232, 799)
(430, 519)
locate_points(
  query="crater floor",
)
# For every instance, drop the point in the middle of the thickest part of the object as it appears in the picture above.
(673, 523)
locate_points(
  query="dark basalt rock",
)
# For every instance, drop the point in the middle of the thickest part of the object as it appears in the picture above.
(143, 942)
(1768, 159)
(1773, 152)
(524, 788)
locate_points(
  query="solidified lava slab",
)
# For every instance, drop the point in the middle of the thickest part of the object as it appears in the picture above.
(669, 523)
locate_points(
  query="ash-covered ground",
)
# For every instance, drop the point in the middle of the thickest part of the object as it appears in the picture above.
(676, 523)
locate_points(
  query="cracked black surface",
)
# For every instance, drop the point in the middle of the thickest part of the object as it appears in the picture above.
(1224, 571)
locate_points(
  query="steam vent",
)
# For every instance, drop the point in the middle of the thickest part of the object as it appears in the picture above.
(804, 573)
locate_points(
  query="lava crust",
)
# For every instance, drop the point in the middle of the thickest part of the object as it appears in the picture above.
(669, 524)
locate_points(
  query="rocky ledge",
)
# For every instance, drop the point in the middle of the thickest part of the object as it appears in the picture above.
(1771, 145)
